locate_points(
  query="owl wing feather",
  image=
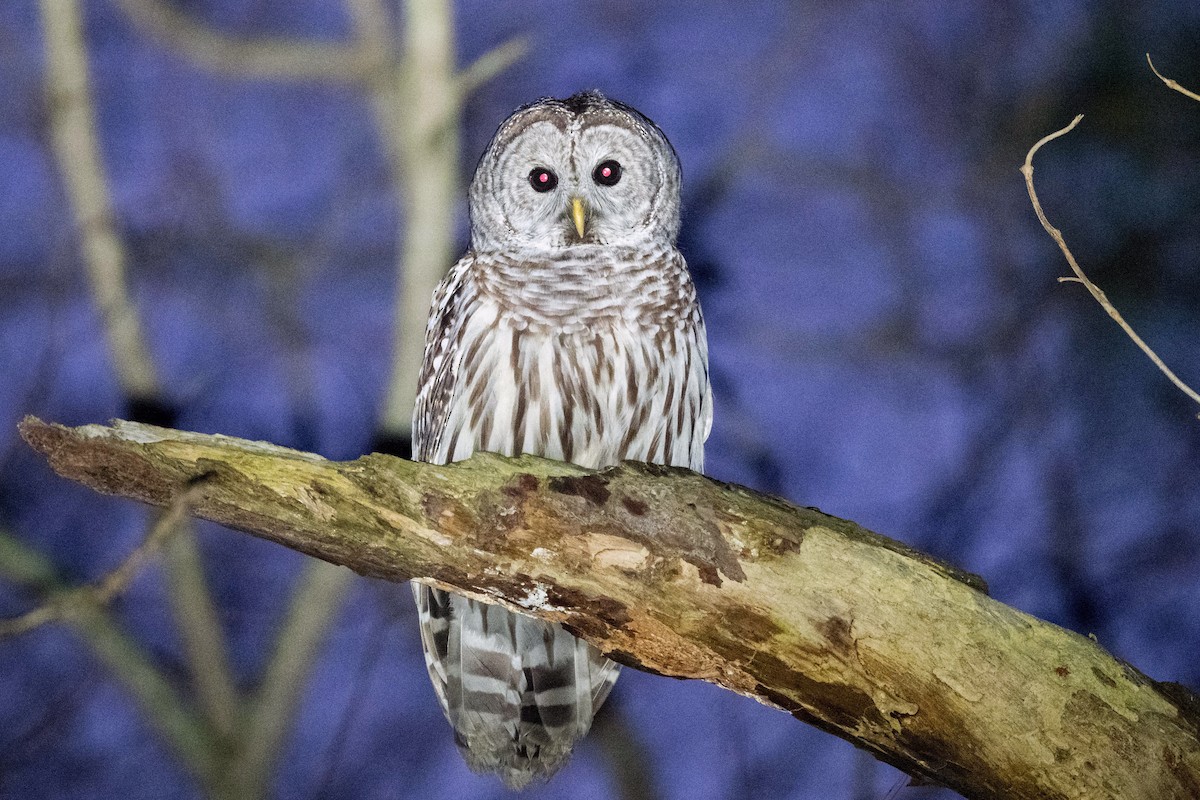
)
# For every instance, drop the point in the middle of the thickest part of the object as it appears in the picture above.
(440, 367)
(518, 716)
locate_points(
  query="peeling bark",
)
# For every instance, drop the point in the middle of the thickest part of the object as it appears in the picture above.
(681, 575)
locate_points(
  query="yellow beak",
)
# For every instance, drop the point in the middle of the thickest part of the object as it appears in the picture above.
(577, 215)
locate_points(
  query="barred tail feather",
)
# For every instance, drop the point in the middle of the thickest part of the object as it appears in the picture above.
(518, 692)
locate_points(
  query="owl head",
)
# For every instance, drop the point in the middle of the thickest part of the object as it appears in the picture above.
(581, 171)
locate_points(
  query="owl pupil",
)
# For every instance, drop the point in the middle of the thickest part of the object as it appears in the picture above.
(607, 173)
(542, 179)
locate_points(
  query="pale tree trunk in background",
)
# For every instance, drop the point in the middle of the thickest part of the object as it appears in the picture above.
(419, 108)
(232, 743)
(77, 151)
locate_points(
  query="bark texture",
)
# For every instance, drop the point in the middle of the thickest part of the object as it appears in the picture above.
(678, 574)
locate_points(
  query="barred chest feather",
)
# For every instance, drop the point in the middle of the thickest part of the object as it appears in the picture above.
(593, 359)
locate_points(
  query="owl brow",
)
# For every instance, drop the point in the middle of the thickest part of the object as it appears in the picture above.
(596, 121)
(515, 126)
(536, 115)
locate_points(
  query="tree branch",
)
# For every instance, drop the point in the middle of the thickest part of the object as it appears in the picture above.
(316, 600)
(200, 632)
(491, 64)
(77, 151)
(417, 98)
(421, 122)
(674, 573)
(259, 57)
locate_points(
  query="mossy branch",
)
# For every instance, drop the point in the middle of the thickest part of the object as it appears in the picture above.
(678, 574)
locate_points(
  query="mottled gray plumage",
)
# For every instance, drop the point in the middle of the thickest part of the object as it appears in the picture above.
(569, 330)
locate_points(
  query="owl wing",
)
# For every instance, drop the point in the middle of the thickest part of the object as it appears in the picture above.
(703, 384)
(435, 385)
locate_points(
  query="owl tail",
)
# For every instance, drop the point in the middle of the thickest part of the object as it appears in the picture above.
(518, 692)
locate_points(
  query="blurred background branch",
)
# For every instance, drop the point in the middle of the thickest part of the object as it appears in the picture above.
(417, 98)
(73, 128)
(625, 752)
(272, 708)
(260, 57)
(419, 114)
(162, 704)
(200, 630)
(78, 155)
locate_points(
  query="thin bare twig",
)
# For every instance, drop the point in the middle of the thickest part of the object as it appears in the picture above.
(83, 608)
(1171, 83)
(1080, 277)
(63, 602)
(31, 620)
(125, 659)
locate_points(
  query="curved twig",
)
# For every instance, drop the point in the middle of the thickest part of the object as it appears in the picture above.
(1171, 83)
(1080, 277)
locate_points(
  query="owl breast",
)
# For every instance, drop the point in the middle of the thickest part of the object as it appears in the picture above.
(595, 364)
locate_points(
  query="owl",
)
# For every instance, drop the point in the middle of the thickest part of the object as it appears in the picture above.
(569, 330)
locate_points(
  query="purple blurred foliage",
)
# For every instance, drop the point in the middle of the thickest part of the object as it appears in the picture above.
(888, 341)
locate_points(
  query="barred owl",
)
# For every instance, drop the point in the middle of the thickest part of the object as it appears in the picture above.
(570, 330)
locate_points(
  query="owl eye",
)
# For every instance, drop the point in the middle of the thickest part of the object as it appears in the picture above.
(607, 173)
(542, 179)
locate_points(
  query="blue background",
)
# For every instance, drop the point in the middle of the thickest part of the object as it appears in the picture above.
(888, 341)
